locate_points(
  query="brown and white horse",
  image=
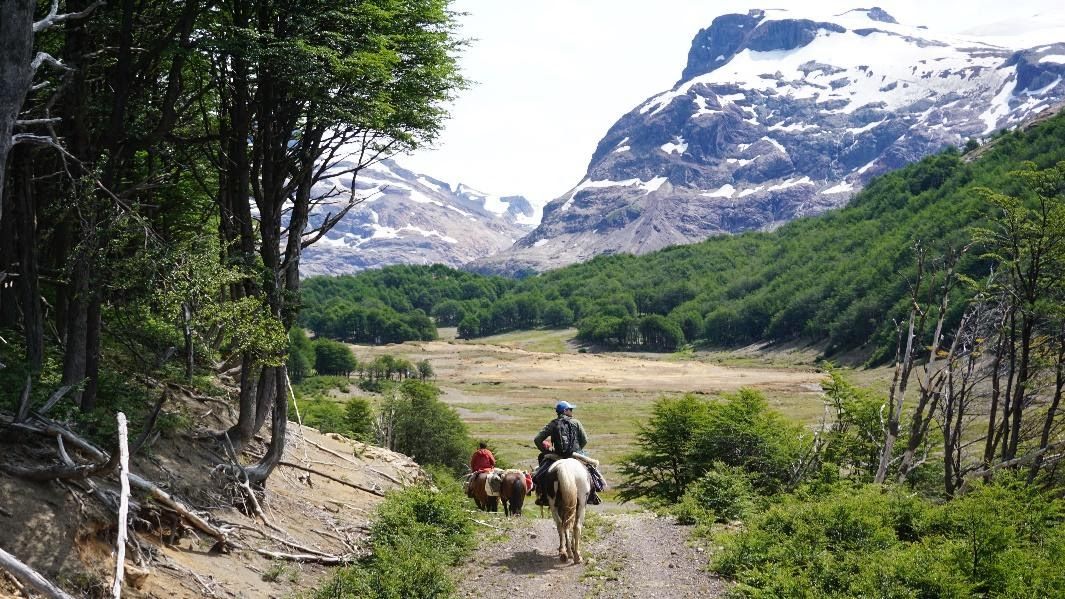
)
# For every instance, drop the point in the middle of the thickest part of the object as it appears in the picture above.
(477, 491)
(568, 485)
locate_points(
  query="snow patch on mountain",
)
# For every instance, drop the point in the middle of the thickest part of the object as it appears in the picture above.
(402, 217)
(786, 113)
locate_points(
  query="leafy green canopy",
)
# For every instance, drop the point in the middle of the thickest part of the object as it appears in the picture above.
(392, 304)
(839, 278)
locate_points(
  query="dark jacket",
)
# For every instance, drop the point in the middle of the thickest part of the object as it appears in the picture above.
(549, 428)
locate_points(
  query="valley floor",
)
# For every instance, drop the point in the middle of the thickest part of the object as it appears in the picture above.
(505, 387)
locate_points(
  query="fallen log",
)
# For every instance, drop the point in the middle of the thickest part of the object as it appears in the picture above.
(123, 506)
(326, 560)
(332, 478)
(30, 577)
(174, 505)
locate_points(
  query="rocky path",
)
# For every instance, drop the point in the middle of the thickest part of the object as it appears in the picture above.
(626, 555)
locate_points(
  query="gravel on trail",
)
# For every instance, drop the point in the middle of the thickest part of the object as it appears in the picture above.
(626, 555)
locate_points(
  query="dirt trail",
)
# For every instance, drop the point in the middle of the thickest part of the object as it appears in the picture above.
(626, 555)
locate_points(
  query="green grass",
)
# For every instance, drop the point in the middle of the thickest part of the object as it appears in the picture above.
(552, 341)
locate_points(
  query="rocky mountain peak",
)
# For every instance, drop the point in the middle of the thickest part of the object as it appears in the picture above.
(411, 218)
(780, 114)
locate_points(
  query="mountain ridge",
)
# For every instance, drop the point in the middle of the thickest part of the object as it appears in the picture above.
(410, 218)
(777, 116)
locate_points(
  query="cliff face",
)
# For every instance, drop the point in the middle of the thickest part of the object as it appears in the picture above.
(777, 116)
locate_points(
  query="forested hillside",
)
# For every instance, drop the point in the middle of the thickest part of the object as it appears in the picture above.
(842, 278)
(165, 160)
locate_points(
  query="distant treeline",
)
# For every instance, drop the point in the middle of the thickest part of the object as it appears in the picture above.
(395, 304)
(840, 278)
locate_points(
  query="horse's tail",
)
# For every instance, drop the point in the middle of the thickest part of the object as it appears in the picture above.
(566, 497)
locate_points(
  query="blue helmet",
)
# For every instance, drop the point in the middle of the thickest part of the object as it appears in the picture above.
(562, 406)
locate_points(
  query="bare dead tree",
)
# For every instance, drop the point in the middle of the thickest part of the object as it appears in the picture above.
(934, 373)
(1055, 402)
(904, 359)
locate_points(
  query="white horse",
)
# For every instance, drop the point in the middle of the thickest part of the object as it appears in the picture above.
(570, 485)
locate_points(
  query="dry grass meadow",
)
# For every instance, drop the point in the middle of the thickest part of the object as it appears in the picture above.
(505, 387)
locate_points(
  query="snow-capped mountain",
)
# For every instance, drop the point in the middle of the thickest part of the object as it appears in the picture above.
(779, 115)
(410, 218)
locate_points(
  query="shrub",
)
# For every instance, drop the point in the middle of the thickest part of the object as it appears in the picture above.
(686, 436)
(722, 494)
(417, 535)
(353, 418)
(333, 357)
(743, 431)
(659, 470)
(1004, 539)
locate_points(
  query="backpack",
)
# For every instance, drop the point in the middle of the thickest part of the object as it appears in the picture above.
(564, 437)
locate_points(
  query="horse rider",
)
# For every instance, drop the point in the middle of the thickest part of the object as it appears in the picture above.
(554, 431)
(482, 460)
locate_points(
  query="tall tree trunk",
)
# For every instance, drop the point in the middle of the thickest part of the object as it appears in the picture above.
(9, 315)
(264, 403)
(32, 319)
(190, 357)
(92, 354)
(261, 471)
(1052, 411)
(241, 432)
(16, 71)
(1021, 389)
(895, 400)
(996, 393)
(77, 325)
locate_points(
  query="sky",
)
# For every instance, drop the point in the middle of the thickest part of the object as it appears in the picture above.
(549, 77)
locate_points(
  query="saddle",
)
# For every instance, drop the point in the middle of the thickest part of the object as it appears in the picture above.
(592, 462)
(598, 482)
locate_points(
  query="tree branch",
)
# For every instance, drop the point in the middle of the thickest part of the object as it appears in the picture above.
(53, 17)
(332, 478)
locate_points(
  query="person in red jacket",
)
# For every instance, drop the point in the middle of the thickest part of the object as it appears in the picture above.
(482, 459)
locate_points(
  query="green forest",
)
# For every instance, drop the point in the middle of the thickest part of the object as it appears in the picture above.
(157, 194)
(840, 279)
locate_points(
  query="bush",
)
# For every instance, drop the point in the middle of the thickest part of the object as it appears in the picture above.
(417, 536)
(723, 494)
(353, 419)
(743, 431)
(659, 470)
(1004, 539)
(333, 357)
(686, 436)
